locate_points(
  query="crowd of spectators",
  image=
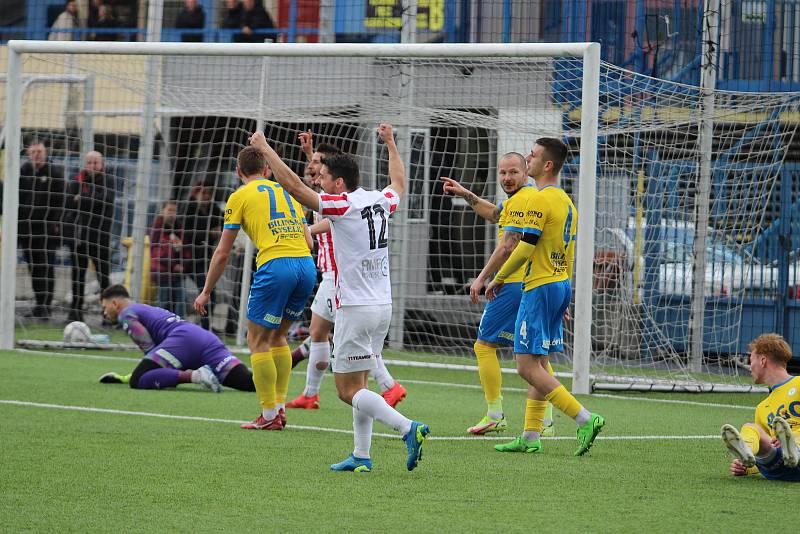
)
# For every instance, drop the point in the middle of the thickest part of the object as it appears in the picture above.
(77, 213)
(249, 17)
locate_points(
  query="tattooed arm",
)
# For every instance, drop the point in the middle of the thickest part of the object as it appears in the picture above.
(482, 207)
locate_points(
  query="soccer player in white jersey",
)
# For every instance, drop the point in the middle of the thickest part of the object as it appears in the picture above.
(359, 222)
(323, 307)
(499, 316)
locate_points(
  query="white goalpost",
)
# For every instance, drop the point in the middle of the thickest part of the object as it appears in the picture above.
(658, 293)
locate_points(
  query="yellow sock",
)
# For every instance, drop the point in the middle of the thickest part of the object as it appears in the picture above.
(283, 367)
(534, 415)
(548, 414)
(264, 376)
(564, 401)
(489, 373)
(751, 437)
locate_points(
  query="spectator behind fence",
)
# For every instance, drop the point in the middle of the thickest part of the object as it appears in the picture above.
(167, 257)
(233, 15)
(254, 18)
(105, 20)
(93, 13)
(41, 208)
(193, 17)
(202, 227)
(90, 198)
(67, 20)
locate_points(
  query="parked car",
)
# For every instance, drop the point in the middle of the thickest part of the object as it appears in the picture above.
(727, 271)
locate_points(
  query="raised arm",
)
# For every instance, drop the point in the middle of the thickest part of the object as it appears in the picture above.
(397, 171)
(307, 144)
(482, 207)
(284, 175)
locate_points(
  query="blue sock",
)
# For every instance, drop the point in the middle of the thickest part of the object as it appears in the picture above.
(159, 379)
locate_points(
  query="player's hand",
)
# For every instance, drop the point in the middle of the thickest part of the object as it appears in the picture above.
(200, 303)
(306, 143)
(566, 316)
(737, 468)
(493, 289)
(452, 187)
(385, 132)
(475, 289)
(259, 141)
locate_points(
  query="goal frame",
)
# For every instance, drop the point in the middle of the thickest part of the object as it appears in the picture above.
(589, 52)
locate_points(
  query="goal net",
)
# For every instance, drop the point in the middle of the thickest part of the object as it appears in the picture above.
(167, 121)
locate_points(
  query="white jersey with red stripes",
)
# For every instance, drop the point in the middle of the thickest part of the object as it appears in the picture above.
(325, 259)
(360, 228)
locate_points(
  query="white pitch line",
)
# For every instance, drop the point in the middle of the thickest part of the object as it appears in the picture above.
(77, 356)
(92, 409)
(675, 401)
(423, 382)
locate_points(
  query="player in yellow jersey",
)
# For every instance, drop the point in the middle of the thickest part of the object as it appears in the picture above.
(547, 250)
(497, 322)
(282, 283)
(769, 445)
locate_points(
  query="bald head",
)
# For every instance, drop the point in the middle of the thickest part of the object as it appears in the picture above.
(93, 161)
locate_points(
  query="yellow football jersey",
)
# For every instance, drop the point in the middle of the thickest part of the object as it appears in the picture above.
(552, 216)
(512, 217)
(783, 400)
(272, 219)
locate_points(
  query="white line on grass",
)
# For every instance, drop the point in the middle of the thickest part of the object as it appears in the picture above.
(423, 382)
(92, 409)
(675, 401)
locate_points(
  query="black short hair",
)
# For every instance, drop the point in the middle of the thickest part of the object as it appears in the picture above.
(328, 149)
(555, 150)
(115, 291)
(344, 166)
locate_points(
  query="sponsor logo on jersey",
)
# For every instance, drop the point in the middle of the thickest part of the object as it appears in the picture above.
(375, 268)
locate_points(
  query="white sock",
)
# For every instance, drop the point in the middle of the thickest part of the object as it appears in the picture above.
(362, 433)
(280, 406)
(320, 352)
(530, 435)
(269, 413)
(373, 405)
(583, 417)
(382, 375)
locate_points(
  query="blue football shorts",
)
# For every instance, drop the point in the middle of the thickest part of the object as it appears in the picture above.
(281, 288)
(539, 329)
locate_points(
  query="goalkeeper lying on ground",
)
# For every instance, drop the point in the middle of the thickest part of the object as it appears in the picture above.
(769, 445)
(176, 351)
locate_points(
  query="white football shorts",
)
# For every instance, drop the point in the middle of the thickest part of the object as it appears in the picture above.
(324, 303)
(359, 336)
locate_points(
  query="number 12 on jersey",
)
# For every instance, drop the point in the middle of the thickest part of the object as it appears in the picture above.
(368, 214)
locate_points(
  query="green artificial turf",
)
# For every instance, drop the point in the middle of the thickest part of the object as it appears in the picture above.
(126, 470)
